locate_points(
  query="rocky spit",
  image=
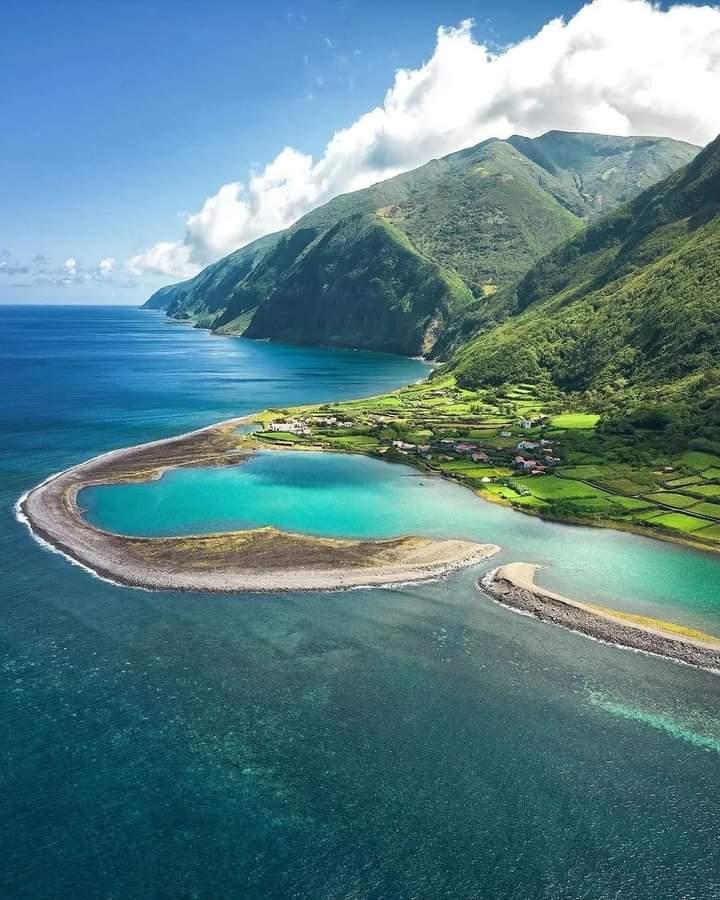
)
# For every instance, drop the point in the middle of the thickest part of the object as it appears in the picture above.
(513, 586)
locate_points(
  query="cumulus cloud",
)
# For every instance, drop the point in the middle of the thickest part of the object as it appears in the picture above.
(106, 265)
(618, 66)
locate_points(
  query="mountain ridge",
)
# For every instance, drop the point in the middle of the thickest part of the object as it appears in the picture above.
(390, 267)
(628, 309)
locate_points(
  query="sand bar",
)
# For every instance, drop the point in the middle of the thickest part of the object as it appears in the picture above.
(263, 559)
(513, 585)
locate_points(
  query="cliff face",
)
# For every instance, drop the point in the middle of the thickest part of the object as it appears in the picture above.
(392, 266)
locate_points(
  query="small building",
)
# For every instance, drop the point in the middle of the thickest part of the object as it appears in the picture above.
(528, 445)
(506, 434)
(324, 420)
(527, 465)
(291, 427)
(479, 456)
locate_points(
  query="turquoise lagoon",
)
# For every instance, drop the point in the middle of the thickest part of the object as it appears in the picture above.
(420, 742)
(354, 496)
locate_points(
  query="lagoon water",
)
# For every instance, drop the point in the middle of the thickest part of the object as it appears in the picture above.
(340, 495)
(412, 743)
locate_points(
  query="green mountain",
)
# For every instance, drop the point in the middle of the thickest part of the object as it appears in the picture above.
(402, 265)
(627, 311)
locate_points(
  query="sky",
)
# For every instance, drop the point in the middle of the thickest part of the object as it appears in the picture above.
(143, 140)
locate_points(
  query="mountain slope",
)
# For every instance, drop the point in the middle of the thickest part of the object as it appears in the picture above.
(628, 307)
(392, 266)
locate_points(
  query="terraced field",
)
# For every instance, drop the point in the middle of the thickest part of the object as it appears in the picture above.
(596, 476)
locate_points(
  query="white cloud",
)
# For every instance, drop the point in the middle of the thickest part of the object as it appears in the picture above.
(42, 270)
(618, 66)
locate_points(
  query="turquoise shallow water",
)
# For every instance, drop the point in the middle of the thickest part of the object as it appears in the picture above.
(413, 743)
(340, 495)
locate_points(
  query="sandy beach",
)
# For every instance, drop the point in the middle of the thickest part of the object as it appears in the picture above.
(513, 585)
(256, 561)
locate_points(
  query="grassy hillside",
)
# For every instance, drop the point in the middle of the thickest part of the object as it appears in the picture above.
(396, 266)
(627, 309)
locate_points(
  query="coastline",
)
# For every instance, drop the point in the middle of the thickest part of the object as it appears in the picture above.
(514, 587)
(258, 560)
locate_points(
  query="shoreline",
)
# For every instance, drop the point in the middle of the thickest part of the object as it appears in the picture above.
(253, 561)
(513, 586)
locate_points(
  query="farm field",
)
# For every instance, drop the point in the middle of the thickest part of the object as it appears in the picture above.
(583, 472)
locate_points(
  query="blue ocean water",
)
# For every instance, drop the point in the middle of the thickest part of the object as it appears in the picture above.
(412, 743)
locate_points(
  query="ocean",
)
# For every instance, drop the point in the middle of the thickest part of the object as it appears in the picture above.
(420, 742)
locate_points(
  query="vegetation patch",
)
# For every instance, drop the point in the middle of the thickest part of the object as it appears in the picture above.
(711, 533)
(575, 420)
(707, 509)
(676, 522)
(681, 501)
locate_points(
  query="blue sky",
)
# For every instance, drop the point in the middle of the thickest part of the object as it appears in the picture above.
(122, 118)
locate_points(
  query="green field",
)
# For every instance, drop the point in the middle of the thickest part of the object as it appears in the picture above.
(284, 436)
(684, 482)
(549, 487)
(676, 522)
(575, 420)
(706, 490)
(681, 501)
(707, 509)
(699, 462)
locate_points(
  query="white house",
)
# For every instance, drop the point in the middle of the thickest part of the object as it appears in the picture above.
(292, 427)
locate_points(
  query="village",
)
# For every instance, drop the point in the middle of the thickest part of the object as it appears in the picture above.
(534, 456)
(518, 444)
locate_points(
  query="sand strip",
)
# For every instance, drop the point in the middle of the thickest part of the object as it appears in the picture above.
(258, 560)
(513, 585)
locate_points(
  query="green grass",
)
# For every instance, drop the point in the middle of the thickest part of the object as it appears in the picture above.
(711, 473)
(699, 462)
(530, 502)
(681, 501)
(676, 522)
(284, 436)
(575, 420)
(490, 472)
(684, 482)
(548, 487)
(706, 490)
(587, 472)
(707, 509)
(630, 503)
(711, 533)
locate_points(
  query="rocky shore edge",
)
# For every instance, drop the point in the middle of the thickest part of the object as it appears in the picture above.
(513, 586)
